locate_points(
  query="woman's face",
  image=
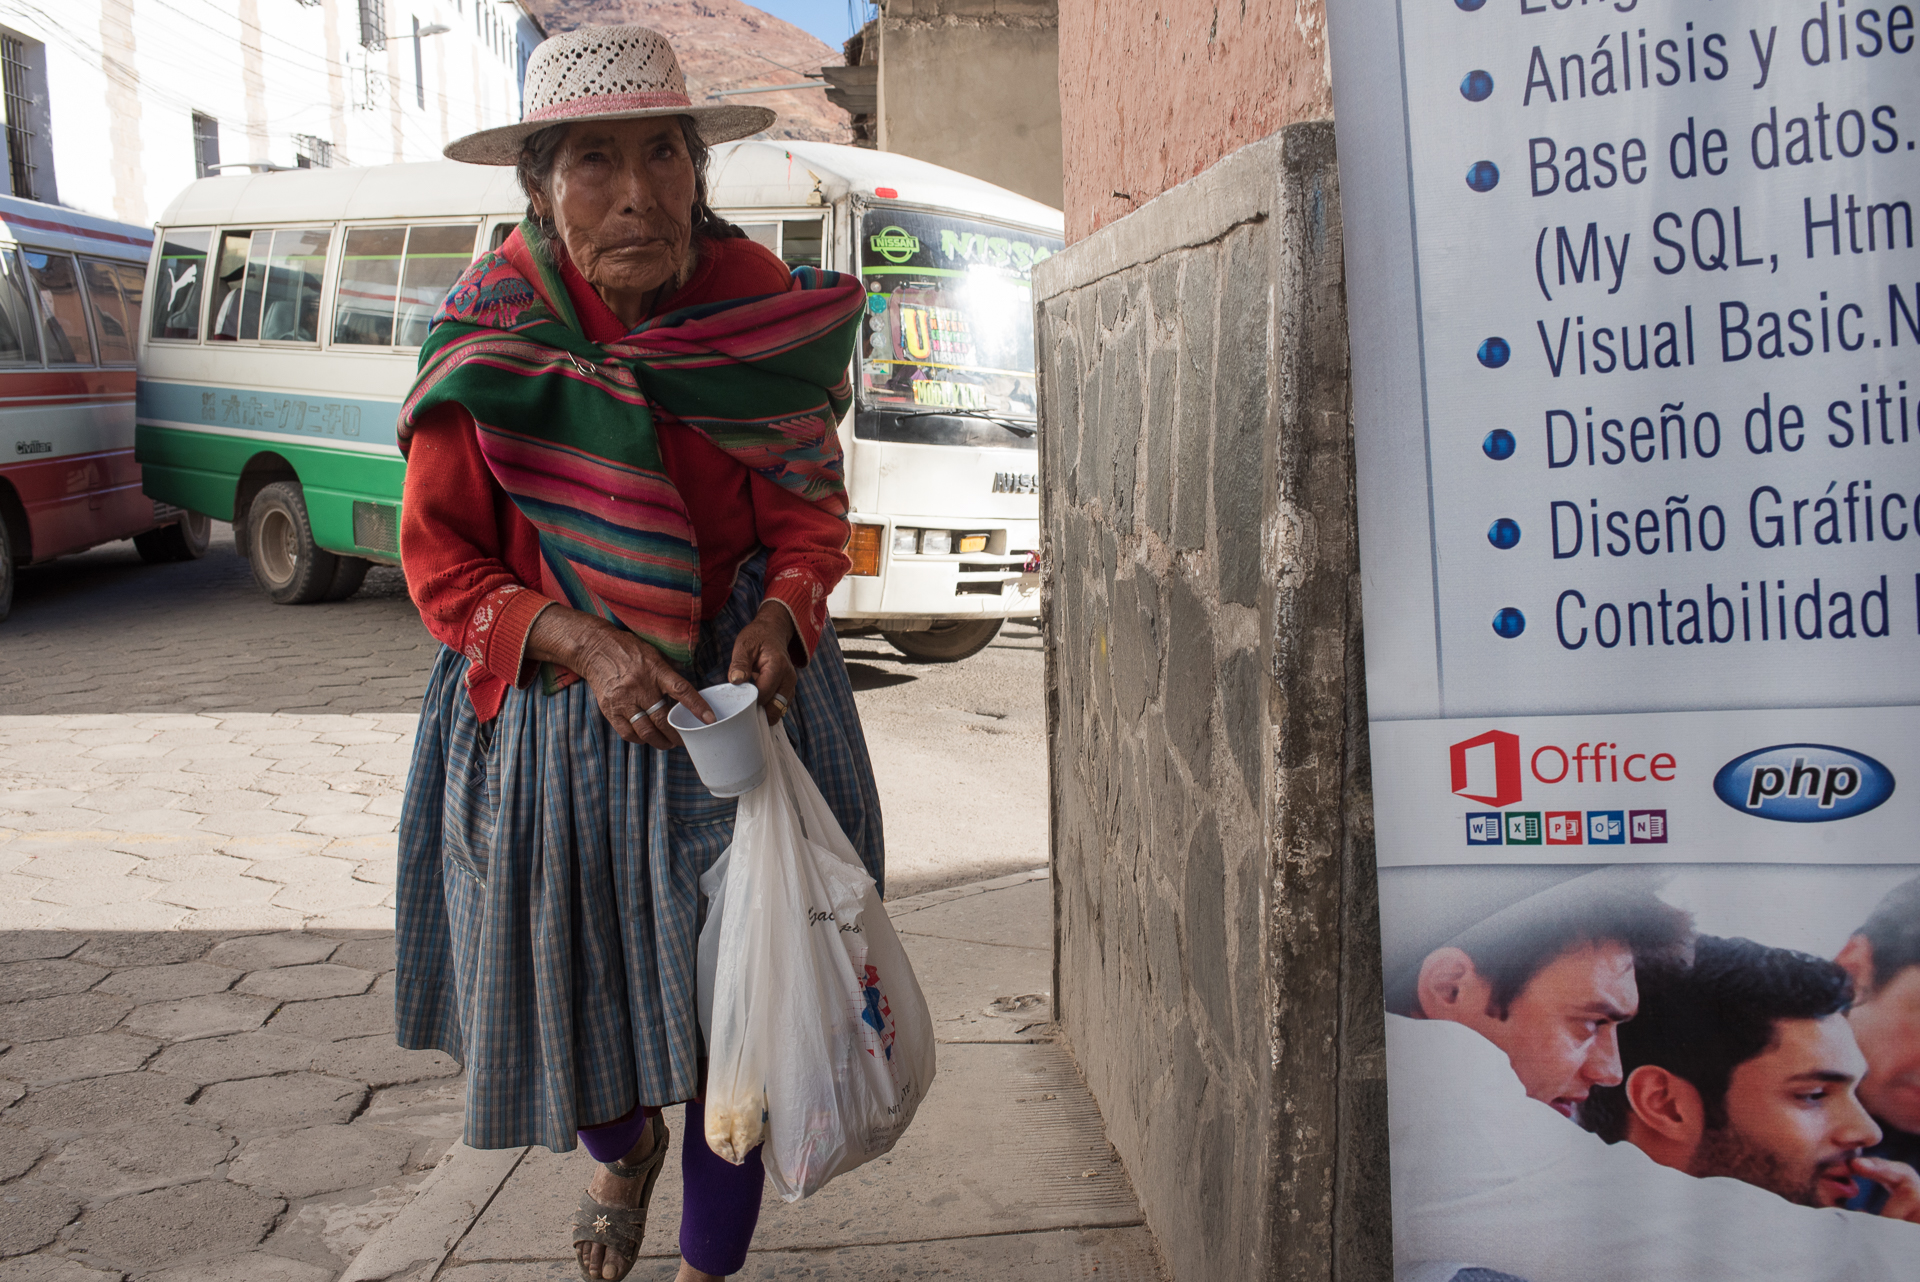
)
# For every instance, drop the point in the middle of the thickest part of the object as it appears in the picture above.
(621, 196)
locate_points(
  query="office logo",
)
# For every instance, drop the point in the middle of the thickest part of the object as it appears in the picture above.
(1484, 827)
(1606, 827)
(894, 244)
(1486, 768)
(1565, 827)
(1523, 827)
(1803, 783)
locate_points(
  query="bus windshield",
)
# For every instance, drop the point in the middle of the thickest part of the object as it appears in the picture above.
(949, 314)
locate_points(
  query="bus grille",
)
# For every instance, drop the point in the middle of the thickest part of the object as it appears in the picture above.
(376, 526)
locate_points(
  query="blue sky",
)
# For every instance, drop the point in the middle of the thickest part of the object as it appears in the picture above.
(831, 20)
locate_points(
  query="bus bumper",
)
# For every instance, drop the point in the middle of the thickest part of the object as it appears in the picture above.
(915, 591)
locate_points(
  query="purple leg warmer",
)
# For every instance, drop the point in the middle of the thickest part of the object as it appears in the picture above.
(614, 1140)
(722, 1206)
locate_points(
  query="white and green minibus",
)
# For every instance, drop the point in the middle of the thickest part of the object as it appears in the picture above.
(287, 310)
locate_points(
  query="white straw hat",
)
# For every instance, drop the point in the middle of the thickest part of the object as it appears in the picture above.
(604, 73)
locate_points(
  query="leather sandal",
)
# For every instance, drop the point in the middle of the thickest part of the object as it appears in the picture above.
(621, 1228)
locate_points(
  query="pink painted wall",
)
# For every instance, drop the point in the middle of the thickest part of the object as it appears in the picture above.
(1154, 91)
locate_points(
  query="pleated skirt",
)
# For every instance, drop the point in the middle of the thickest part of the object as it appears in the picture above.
(549, 901)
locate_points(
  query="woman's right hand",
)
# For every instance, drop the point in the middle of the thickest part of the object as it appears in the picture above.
(627, 676)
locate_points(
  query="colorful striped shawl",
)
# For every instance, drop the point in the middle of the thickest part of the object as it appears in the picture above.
(567, 425)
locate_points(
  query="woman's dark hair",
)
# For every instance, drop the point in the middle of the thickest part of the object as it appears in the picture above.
(1701, 1022)
(539, 152)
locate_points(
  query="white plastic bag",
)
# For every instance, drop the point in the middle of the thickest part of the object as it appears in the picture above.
(818, 1039)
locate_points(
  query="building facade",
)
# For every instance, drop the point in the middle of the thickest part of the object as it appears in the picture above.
(974, 85)
(112, 106)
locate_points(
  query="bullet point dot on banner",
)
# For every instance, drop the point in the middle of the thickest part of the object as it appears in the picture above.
(1495, 352)
(1499, 445)
(1477, 87)
(1484, 176)
(1509, 623)
(1504, 533)
(1469, 5)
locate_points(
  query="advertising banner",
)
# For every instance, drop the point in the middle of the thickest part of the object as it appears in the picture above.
(1634, 301)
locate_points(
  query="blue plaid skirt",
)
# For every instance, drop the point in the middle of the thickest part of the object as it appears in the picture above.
(549, 898)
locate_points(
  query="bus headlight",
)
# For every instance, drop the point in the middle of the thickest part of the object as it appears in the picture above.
(936, 542)
(906, 540)
(973, 543)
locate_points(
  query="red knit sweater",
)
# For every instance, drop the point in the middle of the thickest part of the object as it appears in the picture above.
(473, 561)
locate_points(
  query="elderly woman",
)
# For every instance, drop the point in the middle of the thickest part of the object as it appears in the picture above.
(623, 484)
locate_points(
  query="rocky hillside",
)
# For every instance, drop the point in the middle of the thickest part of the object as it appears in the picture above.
(724, 44)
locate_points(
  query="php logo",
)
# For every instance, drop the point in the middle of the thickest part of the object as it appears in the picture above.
(1803, 783)
(1486, 768)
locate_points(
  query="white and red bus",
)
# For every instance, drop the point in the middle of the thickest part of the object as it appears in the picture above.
(71, 289)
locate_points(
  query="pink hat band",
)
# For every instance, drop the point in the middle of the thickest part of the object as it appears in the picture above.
(607, 104)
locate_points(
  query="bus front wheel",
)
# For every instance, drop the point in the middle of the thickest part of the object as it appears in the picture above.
(287, 564)
(184, 540)
(947, 642)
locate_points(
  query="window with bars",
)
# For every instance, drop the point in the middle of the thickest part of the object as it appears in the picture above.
(206, 145)
(311, 152)
(16, 83)
(373, 24)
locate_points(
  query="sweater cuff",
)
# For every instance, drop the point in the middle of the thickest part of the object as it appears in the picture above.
(497, 633)
(805, 598)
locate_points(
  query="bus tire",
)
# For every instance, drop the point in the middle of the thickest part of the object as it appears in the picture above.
(287, 564)
(184, 540)
(947, 642)
(6, 570)
(348, 575)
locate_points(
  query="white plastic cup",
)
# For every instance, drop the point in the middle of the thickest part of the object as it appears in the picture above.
(727, 755)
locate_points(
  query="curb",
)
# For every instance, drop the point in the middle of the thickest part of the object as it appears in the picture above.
(417, 1241)
(413, 1245)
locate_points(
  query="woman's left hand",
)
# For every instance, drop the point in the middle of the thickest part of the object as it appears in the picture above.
(760, 656)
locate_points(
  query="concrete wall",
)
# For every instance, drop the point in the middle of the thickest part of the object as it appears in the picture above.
(974, 85)
(1215, 924)
(1151, 93)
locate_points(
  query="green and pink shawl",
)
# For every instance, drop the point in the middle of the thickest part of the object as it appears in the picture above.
(568, 425)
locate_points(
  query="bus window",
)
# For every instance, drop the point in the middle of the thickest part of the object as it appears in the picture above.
(259, 248)
(19, 335)
(224, 302)
(800, 242)
(109, 313)
(500, 233)
(435, 258)
(369, 284)
(133, 289)
(767, 234)
(61, 311)
(183, 270)
(290, 310)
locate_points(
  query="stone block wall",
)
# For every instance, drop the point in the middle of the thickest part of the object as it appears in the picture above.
(1216, 938)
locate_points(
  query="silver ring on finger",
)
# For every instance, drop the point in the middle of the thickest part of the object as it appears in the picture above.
(650, 711)
(780, 702)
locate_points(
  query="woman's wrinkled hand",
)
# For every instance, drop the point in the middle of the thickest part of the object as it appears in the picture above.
(627, 676)
(760, 655)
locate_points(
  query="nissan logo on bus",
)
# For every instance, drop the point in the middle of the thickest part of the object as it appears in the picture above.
(1803, 783)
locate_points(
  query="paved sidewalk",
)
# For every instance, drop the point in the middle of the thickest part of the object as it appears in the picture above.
(1005, 1175)
(193, 1106)
(227, 821)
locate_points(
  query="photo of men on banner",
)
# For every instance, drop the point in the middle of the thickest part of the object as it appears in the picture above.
(1582, 1086)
